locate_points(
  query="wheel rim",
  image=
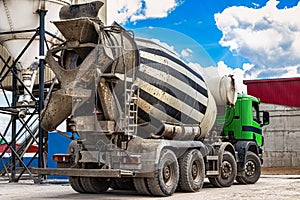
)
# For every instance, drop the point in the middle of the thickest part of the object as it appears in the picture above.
(168, 173)
(250, 168)
(226, 169)
(195, 170)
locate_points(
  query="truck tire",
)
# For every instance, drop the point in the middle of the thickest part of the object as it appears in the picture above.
(141, 186)
(228, 172)
(166, 176)
(240, 180)
(214, 182)
(252, 169)
(122, 184)
(95, 185)
(76, 184)
(192, 171)
(73, 180)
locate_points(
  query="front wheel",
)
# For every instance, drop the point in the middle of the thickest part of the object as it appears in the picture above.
(252, 169)
(228, 171)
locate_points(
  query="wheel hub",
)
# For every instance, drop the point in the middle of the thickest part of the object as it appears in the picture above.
(167, 173)
(250, 168)
(194, 170)
(226, 169)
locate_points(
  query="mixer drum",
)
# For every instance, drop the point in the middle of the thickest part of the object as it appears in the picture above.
(172, 92)
(173, 103)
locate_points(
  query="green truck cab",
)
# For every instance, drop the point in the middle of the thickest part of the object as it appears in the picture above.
(243, 128)
(244, 121)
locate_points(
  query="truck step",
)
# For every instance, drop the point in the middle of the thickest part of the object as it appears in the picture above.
(212, 173)
(211, 158)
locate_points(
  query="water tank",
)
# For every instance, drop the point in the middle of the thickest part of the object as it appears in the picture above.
(223, 89)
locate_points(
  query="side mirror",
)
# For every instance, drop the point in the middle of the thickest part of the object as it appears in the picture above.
(266, 118)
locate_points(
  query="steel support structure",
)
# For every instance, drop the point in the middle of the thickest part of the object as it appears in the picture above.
(30, 126)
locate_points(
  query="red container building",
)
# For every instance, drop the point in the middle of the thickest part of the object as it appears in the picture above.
(282, 91)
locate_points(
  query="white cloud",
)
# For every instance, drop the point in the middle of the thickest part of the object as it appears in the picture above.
(222, 69)
(186, 52)
(122, 11)
(269, 37)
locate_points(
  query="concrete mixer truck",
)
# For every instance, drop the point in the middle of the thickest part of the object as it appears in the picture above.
(143, 119)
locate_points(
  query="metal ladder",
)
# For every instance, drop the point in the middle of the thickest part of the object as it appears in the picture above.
(131, 110)
(131, 102)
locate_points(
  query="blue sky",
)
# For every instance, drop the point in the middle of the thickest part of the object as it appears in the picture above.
(253, 38)
(196, 20)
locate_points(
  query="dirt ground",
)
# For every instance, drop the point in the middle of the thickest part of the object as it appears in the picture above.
(269, 187)
(281, 170)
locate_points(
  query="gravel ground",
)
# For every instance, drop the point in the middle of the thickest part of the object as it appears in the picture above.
(268, 187)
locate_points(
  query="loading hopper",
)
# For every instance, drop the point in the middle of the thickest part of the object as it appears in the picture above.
(17, 15)
(22, 15)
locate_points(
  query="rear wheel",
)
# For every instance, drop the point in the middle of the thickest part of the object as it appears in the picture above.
(76, 184)
(228, 172)
(214, 182)
(192, 171)
(73, 180)
(122, 184)
(95, 185)
(240, 180)
(252, 169)
(141, 186)
(166, 176)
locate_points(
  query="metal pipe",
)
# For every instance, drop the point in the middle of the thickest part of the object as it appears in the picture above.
(14, 124)
(3, 67)
(21, 31)
(42, 14)
(183, 132)
(54, 36)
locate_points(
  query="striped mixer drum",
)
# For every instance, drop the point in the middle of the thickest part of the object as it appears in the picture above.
(167, 98)
(170, 90)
